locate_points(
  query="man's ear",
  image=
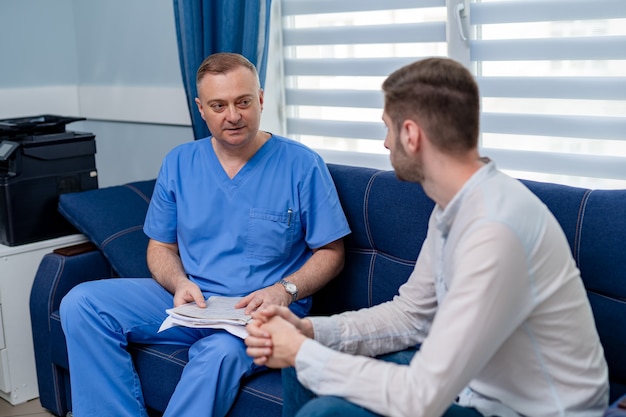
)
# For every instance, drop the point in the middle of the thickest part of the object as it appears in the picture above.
(411, 135)
(261, 98)
(200, 108)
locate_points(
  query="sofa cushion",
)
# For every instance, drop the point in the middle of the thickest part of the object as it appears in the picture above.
(112, 218)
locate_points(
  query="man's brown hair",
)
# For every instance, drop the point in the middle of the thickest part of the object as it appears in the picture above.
(222, 63)
(442, 96)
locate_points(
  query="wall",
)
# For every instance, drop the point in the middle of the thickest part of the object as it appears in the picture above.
(114, 62)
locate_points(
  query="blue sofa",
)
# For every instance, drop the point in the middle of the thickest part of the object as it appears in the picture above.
(388, 219)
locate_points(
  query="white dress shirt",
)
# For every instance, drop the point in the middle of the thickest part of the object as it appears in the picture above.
(500, 309)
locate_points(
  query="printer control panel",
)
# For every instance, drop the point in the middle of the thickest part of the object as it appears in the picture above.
(7, 147)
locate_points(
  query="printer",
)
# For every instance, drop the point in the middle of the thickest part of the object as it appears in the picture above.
(39, 160)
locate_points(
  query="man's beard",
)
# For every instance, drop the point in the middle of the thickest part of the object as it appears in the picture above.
(406, 169)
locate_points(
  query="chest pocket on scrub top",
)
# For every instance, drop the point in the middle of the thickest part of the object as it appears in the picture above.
(270, 233)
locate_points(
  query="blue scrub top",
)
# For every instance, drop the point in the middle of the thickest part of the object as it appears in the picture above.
(242, 234)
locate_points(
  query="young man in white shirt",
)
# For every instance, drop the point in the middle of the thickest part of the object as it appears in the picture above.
(495, 299)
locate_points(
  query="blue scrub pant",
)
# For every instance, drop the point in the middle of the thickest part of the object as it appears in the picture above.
(300, 402)
(100, 319)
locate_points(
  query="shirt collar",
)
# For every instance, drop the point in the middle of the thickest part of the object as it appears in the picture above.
(445, 218)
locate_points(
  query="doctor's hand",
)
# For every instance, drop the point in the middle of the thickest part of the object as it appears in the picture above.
(272, 295)
(187, 291)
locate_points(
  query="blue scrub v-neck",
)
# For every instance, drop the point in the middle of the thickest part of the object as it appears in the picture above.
(231, 185)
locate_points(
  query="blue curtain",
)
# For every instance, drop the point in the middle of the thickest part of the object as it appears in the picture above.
(204, 27)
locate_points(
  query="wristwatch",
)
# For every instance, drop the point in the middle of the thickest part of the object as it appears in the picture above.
(291, 288)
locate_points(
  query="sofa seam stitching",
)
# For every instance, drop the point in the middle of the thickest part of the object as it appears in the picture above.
(368, 190)
(57, 392)
(407, 262)
(55, 287)
(138, 192)
(579, 226)
(119, 234)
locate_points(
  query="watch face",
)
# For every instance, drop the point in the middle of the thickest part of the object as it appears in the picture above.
(290, 287)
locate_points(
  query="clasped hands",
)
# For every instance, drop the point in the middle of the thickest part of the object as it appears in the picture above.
(275, 336)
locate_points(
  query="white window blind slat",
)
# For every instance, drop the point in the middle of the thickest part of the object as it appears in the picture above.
(335, 128)
(401, 33)
(303, 7)
(545, 10)
(600, 88)
(357, 67)
(335, 98)
(570, 48)
(611, 128)
(597, 166)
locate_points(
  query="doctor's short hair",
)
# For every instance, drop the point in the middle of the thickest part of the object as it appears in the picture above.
(223, 63)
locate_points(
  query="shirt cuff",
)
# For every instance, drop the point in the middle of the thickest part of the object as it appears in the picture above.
(326, 331)
(311, 360)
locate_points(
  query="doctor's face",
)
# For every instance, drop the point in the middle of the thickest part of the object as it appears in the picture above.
(231, 105)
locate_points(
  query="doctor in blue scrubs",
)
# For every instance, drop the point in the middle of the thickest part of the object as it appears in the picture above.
(240, 213)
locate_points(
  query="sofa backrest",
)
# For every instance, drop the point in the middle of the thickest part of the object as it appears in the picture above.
(388, 219)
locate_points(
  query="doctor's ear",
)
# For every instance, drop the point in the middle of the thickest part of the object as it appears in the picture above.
(200, 109)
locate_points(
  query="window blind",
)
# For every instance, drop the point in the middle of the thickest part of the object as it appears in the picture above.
(336, 56)
(552, 75)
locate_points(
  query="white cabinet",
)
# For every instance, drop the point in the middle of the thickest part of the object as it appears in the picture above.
(18, 266)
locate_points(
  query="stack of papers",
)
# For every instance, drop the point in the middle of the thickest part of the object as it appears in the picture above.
(220, 313)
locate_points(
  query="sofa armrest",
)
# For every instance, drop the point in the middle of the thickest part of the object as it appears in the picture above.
(61, 271)
(56, 276)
